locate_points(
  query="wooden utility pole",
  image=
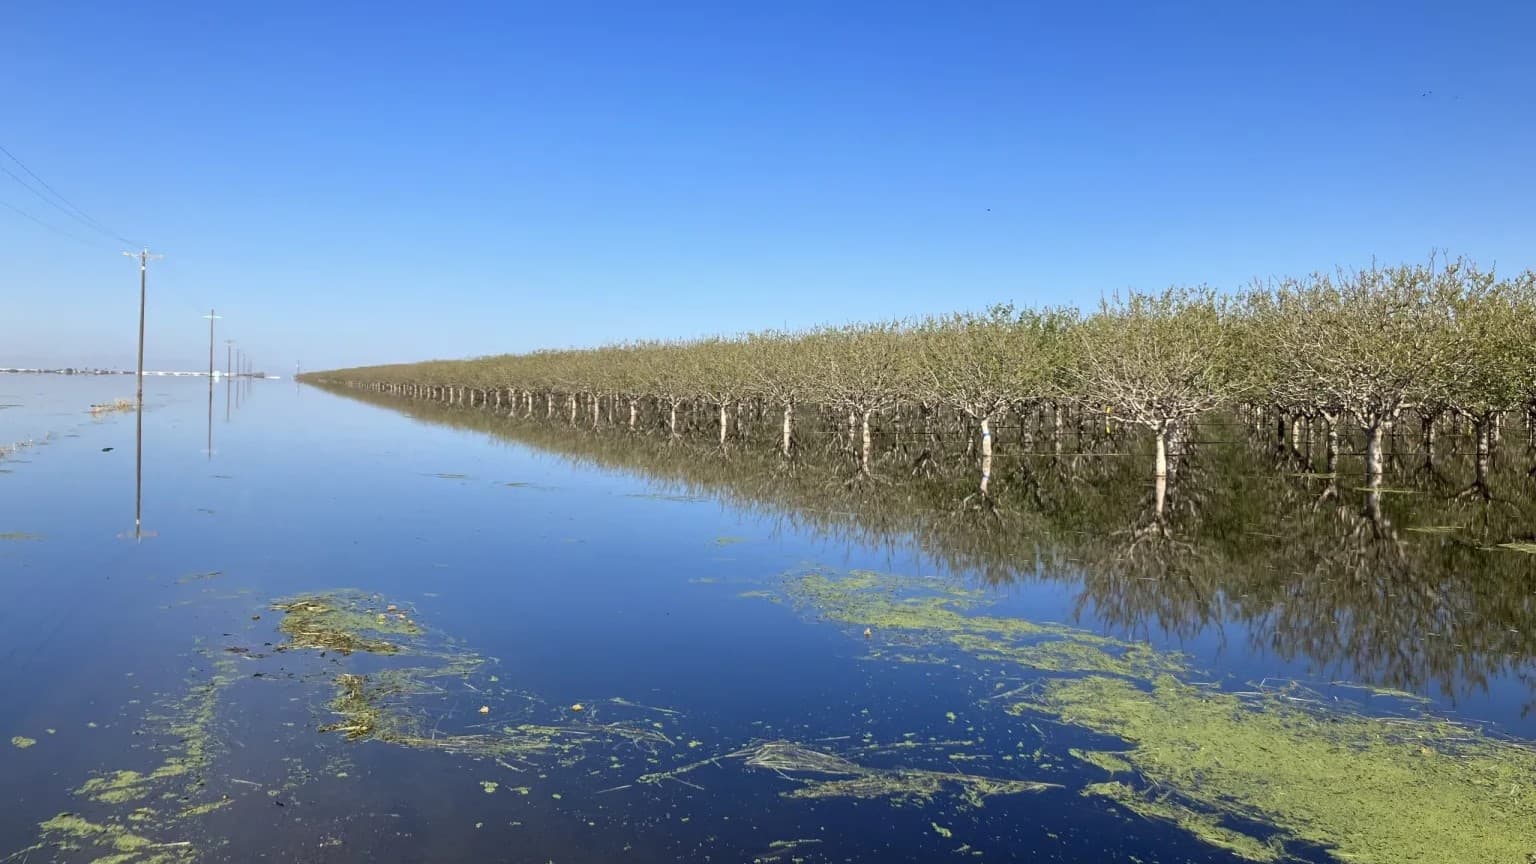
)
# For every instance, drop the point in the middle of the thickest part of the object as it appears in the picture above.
(144, 256)
(211, 318)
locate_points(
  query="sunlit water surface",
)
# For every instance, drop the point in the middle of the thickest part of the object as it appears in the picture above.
(586, 587)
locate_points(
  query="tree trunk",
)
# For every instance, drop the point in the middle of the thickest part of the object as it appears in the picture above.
(672, 417)
(1331, 457)
(596, 403)
(725, 421)
(986, 455)
(571, 403)
(1484, 427)
(867, 447)
(1429, 441)
(1373, 458)
(634, 412)
(789, 428)
(1162, 451)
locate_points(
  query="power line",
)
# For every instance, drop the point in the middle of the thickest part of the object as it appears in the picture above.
(70, 210)
(51, 227)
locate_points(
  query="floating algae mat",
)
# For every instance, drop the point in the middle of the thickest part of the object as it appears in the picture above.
(389, 705)
(149, 815)
(826, 775)
(412, 682)
(1266, 774)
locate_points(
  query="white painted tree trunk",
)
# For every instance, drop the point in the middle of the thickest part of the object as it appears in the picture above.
(1485, 429)
(866, 449)
(986, 455)
(1373, 458)
(789, 428)
(1331, 458)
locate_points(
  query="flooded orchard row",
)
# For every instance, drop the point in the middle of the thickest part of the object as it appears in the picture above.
(582, 648)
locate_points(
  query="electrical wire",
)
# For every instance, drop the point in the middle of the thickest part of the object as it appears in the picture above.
(68, 208)
(54, 228)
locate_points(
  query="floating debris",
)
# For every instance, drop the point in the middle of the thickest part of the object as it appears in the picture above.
(340, 622)
(113, 406)
(825, 775)
(22, 742)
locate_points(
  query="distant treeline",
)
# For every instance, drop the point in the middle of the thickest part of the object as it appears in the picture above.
(1444, 342)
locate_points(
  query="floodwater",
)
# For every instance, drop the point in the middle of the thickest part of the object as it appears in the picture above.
(578, 647)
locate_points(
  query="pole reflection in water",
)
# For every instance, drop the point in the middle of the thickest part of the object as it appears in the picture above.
(209, 451)
(138, 469)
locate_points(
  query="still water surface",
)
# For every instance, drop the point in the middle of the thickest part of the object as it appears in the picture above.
(535, 581)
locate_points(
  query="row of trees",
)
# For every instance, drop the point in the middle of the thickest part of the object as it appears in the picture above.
(1438, 340)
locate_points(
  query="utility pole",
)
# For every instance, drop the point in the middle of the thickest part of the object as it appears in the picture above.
(229, 357)
(211, 318)
(144, 256)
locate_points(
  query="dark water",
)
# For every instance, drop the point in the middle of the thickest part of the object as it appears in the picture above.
(608, 574)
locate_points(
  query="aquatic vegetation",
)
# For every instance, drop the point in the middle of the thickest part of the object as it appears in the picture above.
(384, 705)
(826, 775)
(22, 742)
(1372, 789)
(116, 843)
(938, 614)
(343, 622)
(183, 732)
(19, 536)
(114, 406)
(1260, 773)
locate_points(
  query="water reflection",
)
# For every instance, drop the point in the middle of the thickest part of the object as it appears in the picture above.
(1420, 588)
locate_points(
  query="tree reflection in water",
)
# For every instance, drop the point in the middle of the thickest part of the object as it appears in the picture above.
(1401, 587)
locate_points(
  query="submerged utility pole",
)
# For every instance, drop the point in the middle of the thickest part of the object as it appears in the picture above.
(144, 256)
(229, 357)
(211, 318)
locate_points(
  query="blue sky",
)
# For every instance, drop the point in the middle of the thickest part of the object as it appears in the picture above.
(354, 183)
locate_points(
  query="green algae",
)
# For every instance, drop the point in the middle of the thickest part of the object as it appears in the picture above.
(1262, 774)
(19, 536)
(490, 786)
(821, 775)
(111, 843)
(22, 742)
(343, 622)
(1256, 772)
(1204, 826)
(939, 614)
(389, 705)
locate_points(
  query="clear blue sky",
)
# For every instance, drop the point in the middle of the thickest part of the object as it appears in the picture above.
(369, 182)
